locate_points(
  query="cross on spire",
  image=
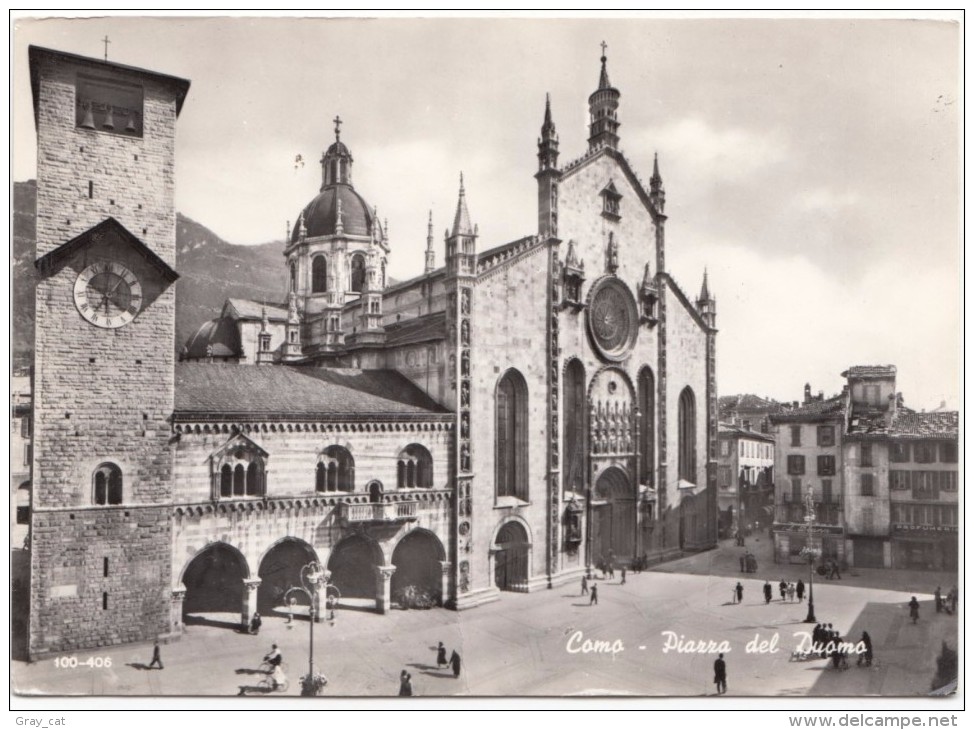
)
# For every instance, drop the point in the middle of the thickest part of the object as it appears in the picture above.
(106, 42)
(604, 46)
(338, 127)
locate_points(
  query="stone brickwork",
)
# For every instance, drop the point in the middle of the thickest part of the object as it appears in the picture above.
(102, 395)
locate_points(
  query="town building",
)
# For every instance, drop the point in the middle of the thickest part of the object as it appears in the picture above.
(747, 409)
(505, 422)
(745, 479)
(883, 477)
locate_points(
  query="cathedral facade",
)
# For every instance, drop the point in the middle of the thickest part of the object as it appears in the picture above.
(515, 419)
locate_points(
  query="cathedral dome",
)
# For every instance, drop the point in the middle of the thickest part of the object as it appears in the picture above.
(320, 216)
(218, 338)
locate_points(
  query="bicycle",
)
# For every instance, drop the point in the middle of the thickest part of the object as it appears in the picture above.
(269, 684)
(267, 668)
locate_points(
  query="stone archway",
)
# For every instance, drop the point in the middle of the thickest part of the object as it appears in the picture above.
(280, 569)
(511, 568)
(353, 565)
(418, 559)
(613, 517)
(214, 581)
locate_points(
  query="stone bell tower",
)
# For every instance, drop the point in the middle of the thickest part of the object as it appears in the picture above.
(104, 356)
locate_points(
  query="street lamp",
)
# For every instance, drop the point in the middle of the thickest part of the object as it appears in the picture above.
(810, 553)
(312, 577)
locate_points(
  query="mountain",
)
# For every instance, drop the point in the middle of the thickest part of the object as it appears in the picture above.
(210, 269)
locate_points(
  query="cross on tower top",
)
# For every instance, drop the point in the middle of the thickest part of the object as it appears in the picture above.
(338, 126)
(604, 46)
(106, 42)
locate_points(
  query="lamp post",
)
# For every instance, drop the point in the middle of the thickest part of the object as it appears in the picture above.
(312, 577)
(810, 553)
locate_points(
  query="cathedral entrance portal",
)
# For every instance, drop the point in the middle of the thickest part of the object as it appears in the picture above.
(353, 565)
(279, 570)
(511, 558)
(419, 574)
(214, 582)
(613, 517)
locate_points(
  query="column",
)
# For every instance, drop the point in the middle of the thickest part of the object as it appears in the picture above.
(383, 587)
(445, 595)
(176, 611)
(249, 605)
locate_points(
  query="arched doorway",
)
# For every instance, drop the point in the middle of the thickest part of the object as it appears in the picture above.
(375, 492)
(511, 558)
(352, 565)
(279, 570)
(417, 559)
(613, 517)
(214, 585)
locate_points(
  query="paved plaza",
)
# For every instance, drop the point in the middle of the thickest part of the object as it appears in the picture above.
(525, 644)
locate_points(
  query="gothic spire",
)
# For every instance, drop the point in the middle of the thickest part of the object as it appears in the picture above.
(602, 106)
(705, 290)
(461, 221)
(430, 252)
(548, 141)
(604, 76)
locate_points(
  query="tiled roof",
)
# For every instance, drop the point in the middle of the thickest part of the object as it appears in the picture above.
(870, 371)
(420, 329)
(254, 391)
(834, 406)
(249, 309)
(938, 425)
(726, 430)
(748, 401)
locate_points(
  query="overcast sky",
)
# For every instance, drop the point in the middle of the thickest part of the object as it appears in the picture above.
(811, 165)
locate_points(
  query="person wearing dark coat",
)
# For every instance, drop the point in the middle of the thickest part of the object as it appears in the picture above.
(914, 609)
(255, 623)
(441, 655)
(455, 663)
(405, 684)
(800, 590)
(584, 585)
(767, 592)
(739, 589)
(156, 657)
(866, 657)
(782, 589)
(595, 596)
(720, 674)
(937, 600)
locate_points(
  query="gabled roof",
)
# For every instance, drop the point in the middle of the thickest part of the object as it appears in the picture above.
(250, 309)
(748, 401)
(691, 310)
(870, 371)
(727, 430)
(420, 329)
(49, 261)
(591, 156)
(255, 392)
(36, 52)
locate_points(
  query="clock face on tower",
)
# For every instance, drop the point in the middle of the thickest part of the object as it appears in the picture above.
(108, 295)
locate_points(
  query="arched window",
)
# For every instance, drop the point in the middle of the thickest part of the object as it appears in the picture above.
(647, 420)
(414, 468)
(358, 272)
(226, 481)
(319, 275)
(321, 473)
(573, 447)
(340, 469)
(239, 479)
(511, 450)
(687, 431)
(294, 276)
(254, 475)
(108, 484)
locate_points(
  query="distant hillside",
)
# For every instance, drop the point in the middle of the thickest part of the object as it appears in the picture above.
(210, 271)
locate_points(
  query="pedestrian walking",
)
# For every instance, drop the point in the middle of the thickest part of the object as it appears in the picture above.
(914, 609)
(937, 600)
(584, 585)
(623, 574)
(440, 656)
(800, 590)
(739, 590)
(791, 593)
(455, 663)
(156, 657)
(255, 623)
(405, 684)
(720, 674)
(767, 592)
(594, 599)
(866, 657)
(835, 571)
(782, 589)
